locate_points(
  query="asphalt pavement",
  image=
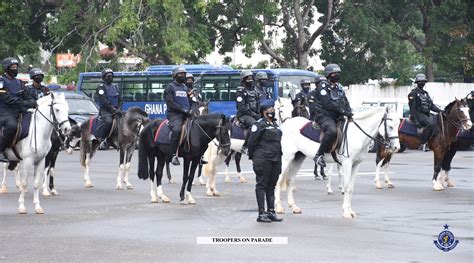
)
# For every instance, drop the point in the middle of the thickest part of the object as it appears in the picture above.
(102, 224)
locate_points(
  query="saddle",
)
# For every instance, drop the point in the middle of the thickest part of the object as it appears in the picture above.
(411, 127)
(312, 131)
(96, 127)
(163, 133)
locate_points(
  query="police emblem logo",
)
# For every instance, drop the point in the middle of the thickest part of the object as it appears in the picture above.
(101, 92)
(323, 92)
(239, 99)
(446, 241)
(254, 128)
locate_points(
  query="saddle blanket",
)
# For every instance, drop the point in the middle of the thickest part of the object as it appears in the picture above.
(25, 126)
(96, 127)
(162, 134)
(237, 132)
(409, 128)
(310, 132)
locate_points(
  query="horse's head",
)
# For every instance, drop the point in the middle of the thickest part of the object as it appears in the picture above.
(458, 114)
(136, 118)
(203, 107)
(58, 110)
(223, 134)
(388, 129)
(284, 109)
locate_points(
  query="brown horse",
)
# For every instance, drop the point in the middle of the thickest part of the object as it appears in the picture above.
(456, 118)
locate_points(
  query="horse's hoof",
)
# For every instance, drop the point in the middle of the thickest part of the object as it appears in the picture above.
(118, 187)
(217, 193)
(294, 189)
(183, 202)
(46, 193)
(154, 199)
(378, 185)
(165, 199)
(227, 179)
(330, 193)
(202, 181)
(191, 202)
(3, 189)
(39, 211)
(193, 183)
(243, 180)
(209, 193)
(390, 185)
(296, 210)
(279, 210)
(22, 211)
(54, 192)
(89, 184)
(349, 215)
(171, 181)
(437, 186)
(450, 184)
(129, 187)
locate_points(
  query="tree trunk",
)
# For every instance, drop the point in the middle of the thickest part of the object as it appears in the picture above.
(303, 59)
(429, 68)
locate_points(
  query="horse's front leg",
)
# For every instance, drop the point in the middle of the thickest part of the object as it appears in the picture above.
(24, 184)
(378, 166)
(347, 173)
(3, 186)
(194, 164)
(168, 172)
(237, 158)
(291, 199)
(37, 184)
(87, 179)
(128, 163)
(121, 170)
(438, 157)
(159, 176)
(389, 183)
(186, 160)
(328, 184)
(46, 178)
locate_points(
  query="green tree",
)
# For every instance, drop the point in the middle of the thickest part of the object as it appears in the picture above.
(256, 24)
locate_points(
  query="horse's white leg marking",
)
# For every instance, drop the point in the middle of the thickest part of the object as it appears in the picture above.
(190, 198)
(347, 171)
(242, 179)
(162, 195)
(153, 192)
(387, 178)
(87, 179)
(52, 173)
(378, 184)
(448, 181)
(227, 176)
(125, 179)
(46, 182)
(3, 187)
(329, 182)
(23, 185)
(121, 171)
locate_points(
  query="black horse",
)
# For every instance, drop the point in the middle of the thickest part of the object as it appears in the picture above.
(202, 130)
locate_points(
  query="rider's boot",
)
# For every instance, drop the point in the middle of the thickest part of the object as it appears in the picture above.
(174, 148)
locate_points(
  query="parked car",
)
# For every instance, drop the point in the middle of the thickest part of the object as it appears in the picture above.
(81, 107)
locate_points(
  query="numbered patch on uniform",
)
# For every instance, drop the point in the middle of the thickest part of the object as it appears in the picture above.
(101, 92)
(323, 92)
(194, 99)
(239, 99)
(254, 128)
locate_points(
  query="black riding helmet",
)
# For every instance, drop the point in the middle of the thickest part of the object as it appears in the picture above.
(36, 72)
(7, 62)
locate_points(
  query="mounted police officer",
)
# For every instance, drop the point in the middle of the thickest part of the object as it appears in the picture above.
(303, 96)
(178, 108)
(13, 100)
(37, 89)
(192, 93)
(420, 105)
(265, 152)
(261, 79)
(107, 95)
(247, 100)
(330, 105)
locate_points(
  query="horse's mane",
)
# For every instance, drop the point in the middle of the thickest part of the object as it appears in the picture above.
(449, 106)
(137, 110)
(43, 100)
(368, 113)
(210, 116)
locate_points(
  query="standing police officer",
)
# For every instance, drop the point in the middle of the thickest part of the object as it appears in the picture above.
(302, 96)
(247, 100)
(37, 89)
(261, 79)
(13, 100)
(265, 152)
(420, 105)
(108, 97)
(178, 108)
(312, 95)
(329, 104)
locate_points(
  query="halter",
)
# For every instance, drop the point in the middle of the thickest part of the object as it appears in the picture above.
(386, 139)
(218, 130)
(55, 123)
(457, 124)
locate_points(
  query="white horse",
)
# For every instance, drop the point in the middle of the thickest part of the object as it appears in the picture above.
(283, 108)
(52, 113)
(3, 185)
(296, 147)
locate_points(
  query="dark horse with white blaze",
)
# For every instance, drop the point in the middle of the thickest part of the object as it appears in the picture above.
(448, 126)
(124, 137)
(202, 130)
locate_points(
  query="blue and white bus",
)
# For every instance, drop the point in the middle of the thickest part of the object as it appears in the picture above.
(216, 83)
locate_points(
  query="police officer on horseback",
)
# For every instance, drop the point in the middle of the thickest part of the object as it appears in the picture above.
(194, 96)
(37, 89)
(330, 105)
(14, 99)
(261, 79)
(421, 104)
(107, 95)
(265, 152)
(303, 95)
(178, 108)
(311, 97)
(247, 99)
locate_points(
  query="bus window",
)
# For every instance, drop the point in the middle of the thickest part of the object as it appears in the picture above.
(90, 84)
(286, 83)
(215, 88)
(157, 87)
(234, 84)
(134, 89)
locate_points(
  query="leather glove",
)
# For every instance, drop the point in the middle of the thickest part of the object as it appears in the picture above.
(31, 104)
(348, 114)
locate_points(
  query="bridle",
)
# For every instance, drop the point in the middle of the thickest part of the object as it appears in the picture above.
(457, 123)
(54, 122)
(219, 127)
(281, 105)
(386, 140)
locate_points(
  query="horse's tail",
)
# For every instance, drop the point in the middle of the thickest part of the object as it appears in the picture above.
(144, 140)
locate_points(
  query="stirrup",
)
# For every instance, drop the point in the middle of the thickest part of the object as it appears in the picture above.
(175, 160)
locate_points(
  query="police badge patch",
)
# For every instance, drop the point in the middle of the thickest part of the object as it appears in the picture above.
(239, 99)
(101, 92)
(254, 128)
(323, 92)
(446, 241)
